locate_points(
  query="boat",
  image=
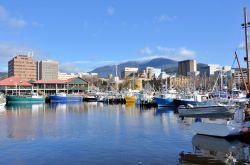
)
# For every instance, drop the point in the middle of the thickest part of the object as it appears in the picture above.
(192, 99)
(130, 99)
(34, 98)
(166, 99)
(233, 126)
(206, 110)
(62, 97)
(90, 98)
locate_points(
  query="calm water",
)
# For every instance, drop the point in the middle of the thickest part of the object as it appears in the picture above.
(93, 133)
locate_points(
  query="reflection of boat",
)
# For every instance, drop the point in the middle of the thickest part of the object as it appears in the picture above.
(62, 97)
(206, 110)
(215, 150)
(20, 106)
(164, 110)
(34, 98)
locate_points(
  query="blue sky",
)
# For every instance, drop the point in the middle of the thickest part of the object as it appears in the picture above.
(84, 34)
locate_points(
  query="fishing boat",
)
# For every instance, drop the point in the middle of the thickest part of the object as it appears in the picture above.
(63, 97)
(191, 99)
(34, 98)
(130, 99)
(131, 96)
(165, 101)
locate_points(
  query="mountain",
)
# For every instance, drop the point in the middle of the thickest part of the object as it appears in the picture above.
(3, 75)
(165, 64)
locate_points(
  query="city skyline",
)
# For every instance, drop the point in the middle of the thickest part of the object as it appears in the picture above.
(85, 35)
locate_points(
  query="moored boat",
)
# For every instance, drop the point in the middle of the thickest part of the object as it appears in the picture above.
(130, 99)
(34, 98)
(206, 110)
(62, 97)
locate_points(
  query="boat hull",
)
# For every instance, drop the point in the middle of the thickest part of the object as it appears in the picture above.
(164, 102)
(205, 111)
(55, 98)
(130, 99)
(214, 129)
(23, 99)
(178, 102)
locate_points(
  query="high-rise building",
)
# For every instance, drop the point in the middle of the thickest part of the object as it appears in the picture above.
(22, 67)
(129, 72)
(186, 67)
(47, 70)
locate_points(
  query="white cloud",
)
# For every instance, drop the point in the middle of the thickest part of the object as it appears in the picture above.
(110, 11)
(17, 23)
(14, 22)
(181, 53)
(165, 18)
(242, 45)
(146, 51)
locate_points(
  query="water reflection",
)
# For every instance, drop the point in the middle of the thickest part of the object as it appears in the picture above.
(93, 132)
(213, 150)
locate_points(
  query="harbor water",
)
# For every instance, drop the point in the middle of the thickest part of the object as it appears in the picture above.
(95, 133)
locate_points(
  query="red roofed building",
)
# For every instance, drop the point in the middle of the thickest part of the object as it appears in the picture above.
(72, 85)
(14, 85)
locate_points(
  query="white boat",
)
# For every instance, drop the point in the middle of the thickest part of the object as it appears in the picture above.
(206, 110)
(224, 128)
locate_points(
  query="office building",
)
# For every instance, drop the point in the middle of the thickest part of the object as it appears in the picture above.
(22, 67)
(47, 70)
(129, 72)
(187, 66)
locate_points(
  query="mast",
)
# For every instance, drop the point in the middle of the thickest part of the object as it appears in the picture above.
(246, 42)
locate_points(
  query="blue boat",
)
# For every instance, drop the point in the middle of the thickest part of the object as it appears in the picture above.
(65, 98)
(164, 102)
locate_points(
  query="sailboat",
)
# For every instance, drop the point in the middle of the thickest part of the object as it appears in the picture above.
(240, 124)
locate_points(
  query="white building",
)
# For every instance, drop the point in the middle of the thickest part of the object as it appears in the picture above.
(151, 71)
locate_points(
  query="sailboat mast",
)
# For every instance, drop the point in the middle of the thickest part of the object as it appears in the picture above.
(246, 42)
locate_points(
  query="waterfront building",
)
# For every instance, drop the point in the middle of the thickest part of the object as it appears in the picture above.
(72, 85)
(22, 67)
(129, 72)
(184, 67)
(47, 70)
(15, 86)
(153, 72)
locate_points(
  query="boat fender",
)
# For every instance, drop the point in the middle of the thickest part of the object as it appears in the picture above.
(245, 130)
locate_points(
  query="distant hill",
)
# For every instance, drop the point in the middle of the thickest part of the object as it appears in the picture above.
(165, 64)
(3, 75)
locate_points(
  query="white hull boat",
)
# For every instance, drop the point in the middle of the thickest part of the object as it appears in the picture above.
(234, 127)
(214, 110)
